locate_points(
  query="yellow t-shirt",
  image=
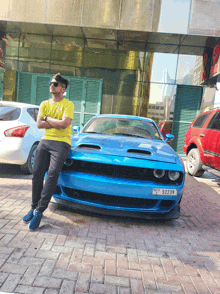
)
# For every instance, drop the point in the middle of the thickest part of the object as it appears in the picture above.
(57, 110)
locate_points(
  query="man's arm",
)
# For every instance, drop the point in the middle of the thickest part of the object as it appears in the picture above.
(53, 123)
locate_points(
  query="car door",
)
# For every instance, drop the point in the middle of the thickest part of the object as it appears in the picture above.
(211, 141)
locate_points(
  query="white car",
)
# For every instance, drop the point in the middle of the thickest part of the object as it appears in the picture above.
(19, 134)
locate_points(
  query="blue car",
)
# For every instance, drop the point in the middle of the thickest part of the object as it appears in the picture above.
(121, 165)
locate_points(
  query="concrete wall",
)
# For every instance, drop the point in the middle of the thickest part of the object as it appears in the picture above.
(139, 15)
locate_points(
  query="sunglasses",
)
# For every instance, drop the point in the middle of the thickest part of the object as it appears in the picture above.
(56, 84)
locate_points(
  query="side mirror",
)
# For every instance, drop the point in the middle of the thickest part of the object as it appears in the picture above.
(76, 129)
(169, 137)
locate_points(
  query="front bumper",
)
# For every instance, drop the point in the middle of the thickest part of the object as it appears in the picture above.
(116, 196)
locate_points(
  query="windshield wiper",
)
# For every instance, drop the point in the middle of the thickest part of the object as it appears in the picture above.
(128, 135)
(92, 133)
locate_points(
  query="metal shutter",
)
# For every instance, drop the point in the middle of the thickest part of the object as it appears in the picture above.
(187, 105)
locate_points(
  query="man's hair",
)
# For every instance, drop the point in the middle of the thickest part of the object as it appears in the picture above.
(61, 80)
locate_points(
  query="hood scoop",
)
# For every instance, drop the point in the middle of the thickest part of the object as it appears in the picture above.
(89, 146)
(137, 151)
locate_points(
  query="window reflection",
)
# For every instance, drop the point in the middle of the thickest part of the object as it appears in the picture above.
(164, 68)
(161, 104)
(12, 51)
(67, 55)
(134, 82)
(186, 69)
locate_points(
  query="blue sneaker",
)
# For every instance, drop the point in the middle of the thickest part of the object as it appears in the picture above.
(34, 224)
(28, 217)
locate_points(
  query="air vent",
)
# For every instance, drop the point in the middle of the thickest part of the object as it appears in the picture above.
(89, 146)
(137, 151)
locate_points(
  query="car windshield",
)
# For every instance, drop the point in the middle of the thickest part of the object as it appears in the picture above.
(122, 127)
(8, 113)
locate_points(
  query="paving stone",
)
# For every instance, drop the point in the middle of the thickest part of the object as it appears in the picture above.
(80, 253)
(29, 290)
(102, 289)
(14, 268)
(67, 287)
(10, 283)
(47, 282)
(119, 281)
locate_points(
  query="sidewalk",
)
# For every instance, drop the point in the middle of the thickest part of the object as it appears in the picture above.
(80, 253)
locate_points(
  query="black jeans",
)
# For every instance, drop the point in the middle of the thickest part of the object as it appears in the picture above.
(50, 156)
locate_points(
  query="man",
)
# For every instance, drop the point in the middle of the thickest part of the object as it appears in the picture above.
(55, 116)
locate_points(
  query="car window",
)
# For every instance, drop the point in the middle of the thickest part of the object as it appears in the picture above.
(160, 124)
(214, 123)
(168, 126)
(199, 122)
(123, 127)
(8, 113)
(33, 113)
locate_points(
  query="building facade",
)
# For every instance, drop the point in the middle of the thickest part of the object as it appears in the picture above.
(142, 50)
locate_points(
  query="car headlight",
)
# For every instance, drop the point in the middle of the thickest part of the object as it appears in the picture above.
(159, 173)
(173, 175)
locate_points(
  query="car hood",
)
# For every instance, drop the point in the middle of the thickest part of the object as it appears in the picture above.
(132, 147)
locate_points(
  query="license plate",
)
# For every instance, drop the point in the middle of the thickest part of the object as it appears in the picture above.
(170, 192)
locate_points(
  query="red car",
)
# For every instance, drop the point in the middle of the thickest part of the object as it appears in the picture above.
(165, 127)
(202, 143)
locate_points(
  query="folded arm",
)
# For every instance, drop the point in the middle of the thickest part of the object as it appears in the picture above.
(53, 123)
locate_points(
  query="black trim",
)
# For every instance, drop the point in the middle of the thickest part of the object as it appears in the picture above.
(172, 214)
(212, 153)
(120, 171)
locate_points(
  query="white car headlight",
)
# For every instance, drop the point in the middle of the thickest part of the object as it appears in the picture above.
(159, 173)
(173, 175)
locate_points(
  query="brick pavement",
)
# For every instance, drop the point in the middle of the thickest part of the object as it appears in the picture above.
(85, 253)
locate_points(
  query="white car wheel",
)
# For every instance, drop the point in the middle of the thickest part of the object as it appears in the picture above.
(194, 163)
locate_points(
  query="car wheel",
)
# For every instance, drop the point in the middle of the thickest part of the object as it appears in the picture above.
(27, 168)
(194, 163)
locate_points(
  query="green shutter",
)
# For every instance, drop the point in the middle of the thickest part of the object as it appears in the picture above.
(93, 94)
(24, 87)
(42, 89)
(187, 105)
(76, 92)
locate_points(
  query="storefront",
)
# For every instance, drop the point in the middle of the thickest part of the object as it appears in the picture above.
(143, 55)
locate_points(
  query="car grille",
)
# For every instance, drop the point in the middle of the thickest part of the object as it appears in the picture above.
(109, 199)
(119, 171)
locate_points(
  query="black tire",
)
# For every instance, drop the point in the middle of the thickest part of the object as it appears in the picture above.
(194, 163)
(27, 168)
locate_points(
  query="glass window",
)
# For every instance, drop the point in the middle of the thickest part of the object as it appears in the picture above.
(168, 126)
(163, 68)
(201, 120)
(162, 99)
(214, 124)
(33, 113)
(8, 113)
(208, 98)
(123, 127)
(11, 52)
(67, 54)
(187, 69)
(34, 53)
